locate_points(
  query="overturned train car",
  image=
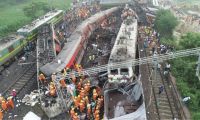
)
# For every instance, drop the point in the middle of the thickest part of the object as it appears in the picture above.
(73, 50)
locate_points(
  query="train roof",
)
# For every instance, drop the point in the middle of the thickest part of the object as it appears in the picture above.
(38, 22)
(71, 46)
(125, 47)
(8, 41)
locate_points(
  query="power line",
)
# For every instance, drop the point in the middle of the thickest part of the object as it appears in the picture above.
(134, 62)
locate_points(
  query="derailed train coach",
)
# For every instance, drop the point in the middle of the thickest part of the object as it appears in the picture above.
(73, 51)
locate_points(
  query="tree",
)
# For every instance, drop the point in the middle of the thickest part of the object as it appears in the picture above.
(30, 11)
(165, 23)
(190, 40)
(34, 8)
(184, 70)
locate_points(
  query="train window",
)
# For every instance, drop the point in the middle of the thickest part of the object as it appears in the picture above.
(114, 72)
(124, 71)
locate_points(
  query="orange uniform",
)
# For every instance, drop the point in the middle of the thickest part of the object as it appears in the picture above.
(42, 78)
(10, 103)
(52, 89)
(79, 98)
(97, 117)
(76, 102)
(63, 84)
(1, 99)
(86, 100)
(1, 114)
(96, 114)
(4, 105)
(75, 117)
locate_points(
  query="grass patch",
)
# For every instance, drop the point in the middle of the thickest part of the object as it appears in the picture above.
(12, 15)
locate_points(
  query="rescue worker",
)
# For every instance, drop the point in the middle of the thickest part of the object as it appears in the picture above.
(1, 114)
(52, 89)
(10, 103)
(75, 117)
(79, 98)
(76, 102)
(97, 117)
(72, 112)
(86, 100)
(42, 78)
(63, 84)
(4, 105)
(86, 88)
(88, 110)
(82, 93)
(95, 94)
(82, 105)
(96, 114)
(1, 98)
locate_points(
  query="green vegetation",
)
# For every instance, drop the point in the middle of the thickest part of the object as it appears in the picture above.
(165, 23)
(184, 70)
(35, 8)
(13, 17)
(187, 1)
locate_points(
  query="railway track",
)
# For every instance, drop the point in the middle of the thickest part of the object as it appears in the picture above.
(21, 80)
(160, 106)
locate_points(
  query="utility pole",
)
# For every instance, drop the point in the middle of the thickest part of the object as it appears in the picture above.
(198, 67)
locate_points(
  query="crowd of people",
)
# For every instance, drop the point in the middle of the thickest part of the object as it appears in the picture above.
(73, 17)
(87, 101)
(151, 40)
(7, 104)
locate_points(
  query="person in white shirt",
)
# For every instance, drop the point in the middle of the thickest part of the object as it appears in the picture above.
(185, 99)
